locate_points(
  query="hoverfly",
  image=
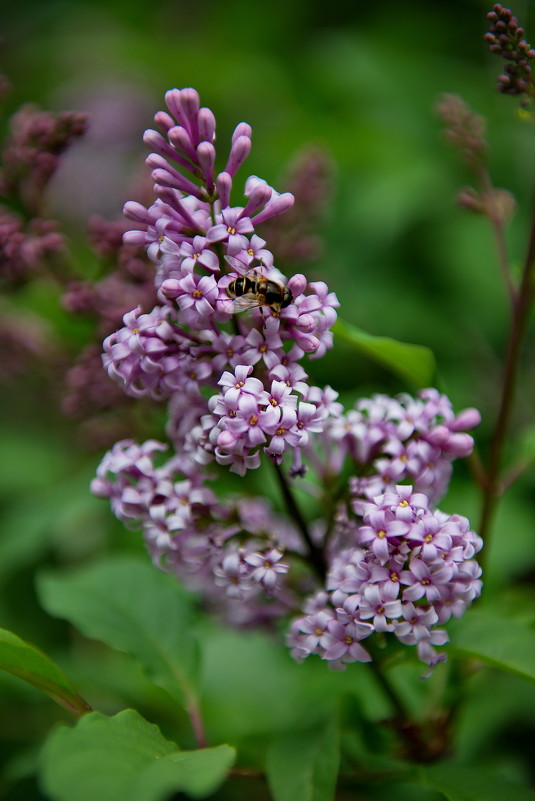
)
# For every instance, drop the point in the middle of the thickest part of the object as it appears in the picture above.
(261, 291)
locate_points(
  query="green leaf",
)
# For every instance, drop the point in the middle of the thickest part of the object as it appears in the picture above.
(129, 605)
(505, 644)
(415, 364)
(459, 783)
(305, 765)
(126, 758)
(33, 666)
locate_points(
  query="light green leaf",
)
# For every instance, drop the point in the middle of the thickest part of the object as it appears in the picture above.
(502, 643)
(415, 364)
(126, 758)
(131, 606)
(459, 783)
(33, 666)
(305, 765)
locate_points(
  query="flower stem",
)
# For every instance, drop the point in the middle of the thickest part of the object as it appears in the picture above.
(389, 691)
(316, 554)
(521, 304)
(195, 718)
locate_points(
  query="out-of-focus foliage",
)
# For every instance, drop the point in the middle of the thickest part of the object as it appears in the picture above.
(360, 81)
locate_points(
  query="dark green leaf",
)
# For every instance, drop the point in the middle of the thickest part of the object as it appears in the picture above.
(501, 643)
(305, 765)
(30, 664)
(132, 607)
(459, 783)
(126, 758)
(415, 364)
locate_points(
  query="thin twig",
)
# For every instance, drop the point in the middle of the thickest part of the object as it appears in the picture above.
(521, 306)
(316, 555)
(194, 714)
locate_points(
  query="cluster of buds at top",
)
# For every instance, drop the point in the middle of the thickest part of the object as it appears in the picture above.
(506, 38)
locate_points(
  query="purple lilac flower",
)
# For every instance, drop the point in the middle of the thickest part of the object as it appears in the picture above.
(406, 582)
(404, 439)
(200, 245)
(237, 394)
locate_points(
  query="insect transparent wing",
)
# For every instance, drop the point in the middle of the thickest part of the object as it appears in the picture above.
(245, 302)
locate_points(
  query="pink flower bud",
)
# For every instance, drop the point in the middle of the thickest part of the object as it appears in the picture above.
(206, 121)
(190, 102)
(172, 100)
(297, 284)
(278, 206)
(306, 323)
(206, 158)
(224, 188)
(136, 238)
(164, 120)
(466, 420)
(226, 441)
(180, 138)
(459, 445)
(238, 153)
(258, 197)
(138, 213)
(242, 129)
(306, 342)
(170, 288)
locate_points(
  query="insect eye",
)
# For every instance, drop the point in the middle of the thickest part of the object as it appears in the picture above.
(287, 298)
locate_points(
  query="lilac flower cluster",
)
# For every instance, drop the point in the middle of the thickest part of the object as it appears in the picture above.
(228, 549)
(382, 559)
(32, 152)
(402, 439)
(203, 247)
(410, 569)
(30, 156)
(31, 245)
(24, 247)
(506, 38)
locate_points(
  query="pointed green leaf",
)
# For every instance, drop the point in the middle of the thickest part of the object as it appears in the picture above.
(305, 765)
(415, 364)
(126, 758)
(501, 643)
(133, 607)
(33, 666)
(459, 783)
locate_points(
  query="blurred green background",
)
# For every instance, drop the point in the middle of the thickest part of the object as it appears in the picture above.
(361, 81)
